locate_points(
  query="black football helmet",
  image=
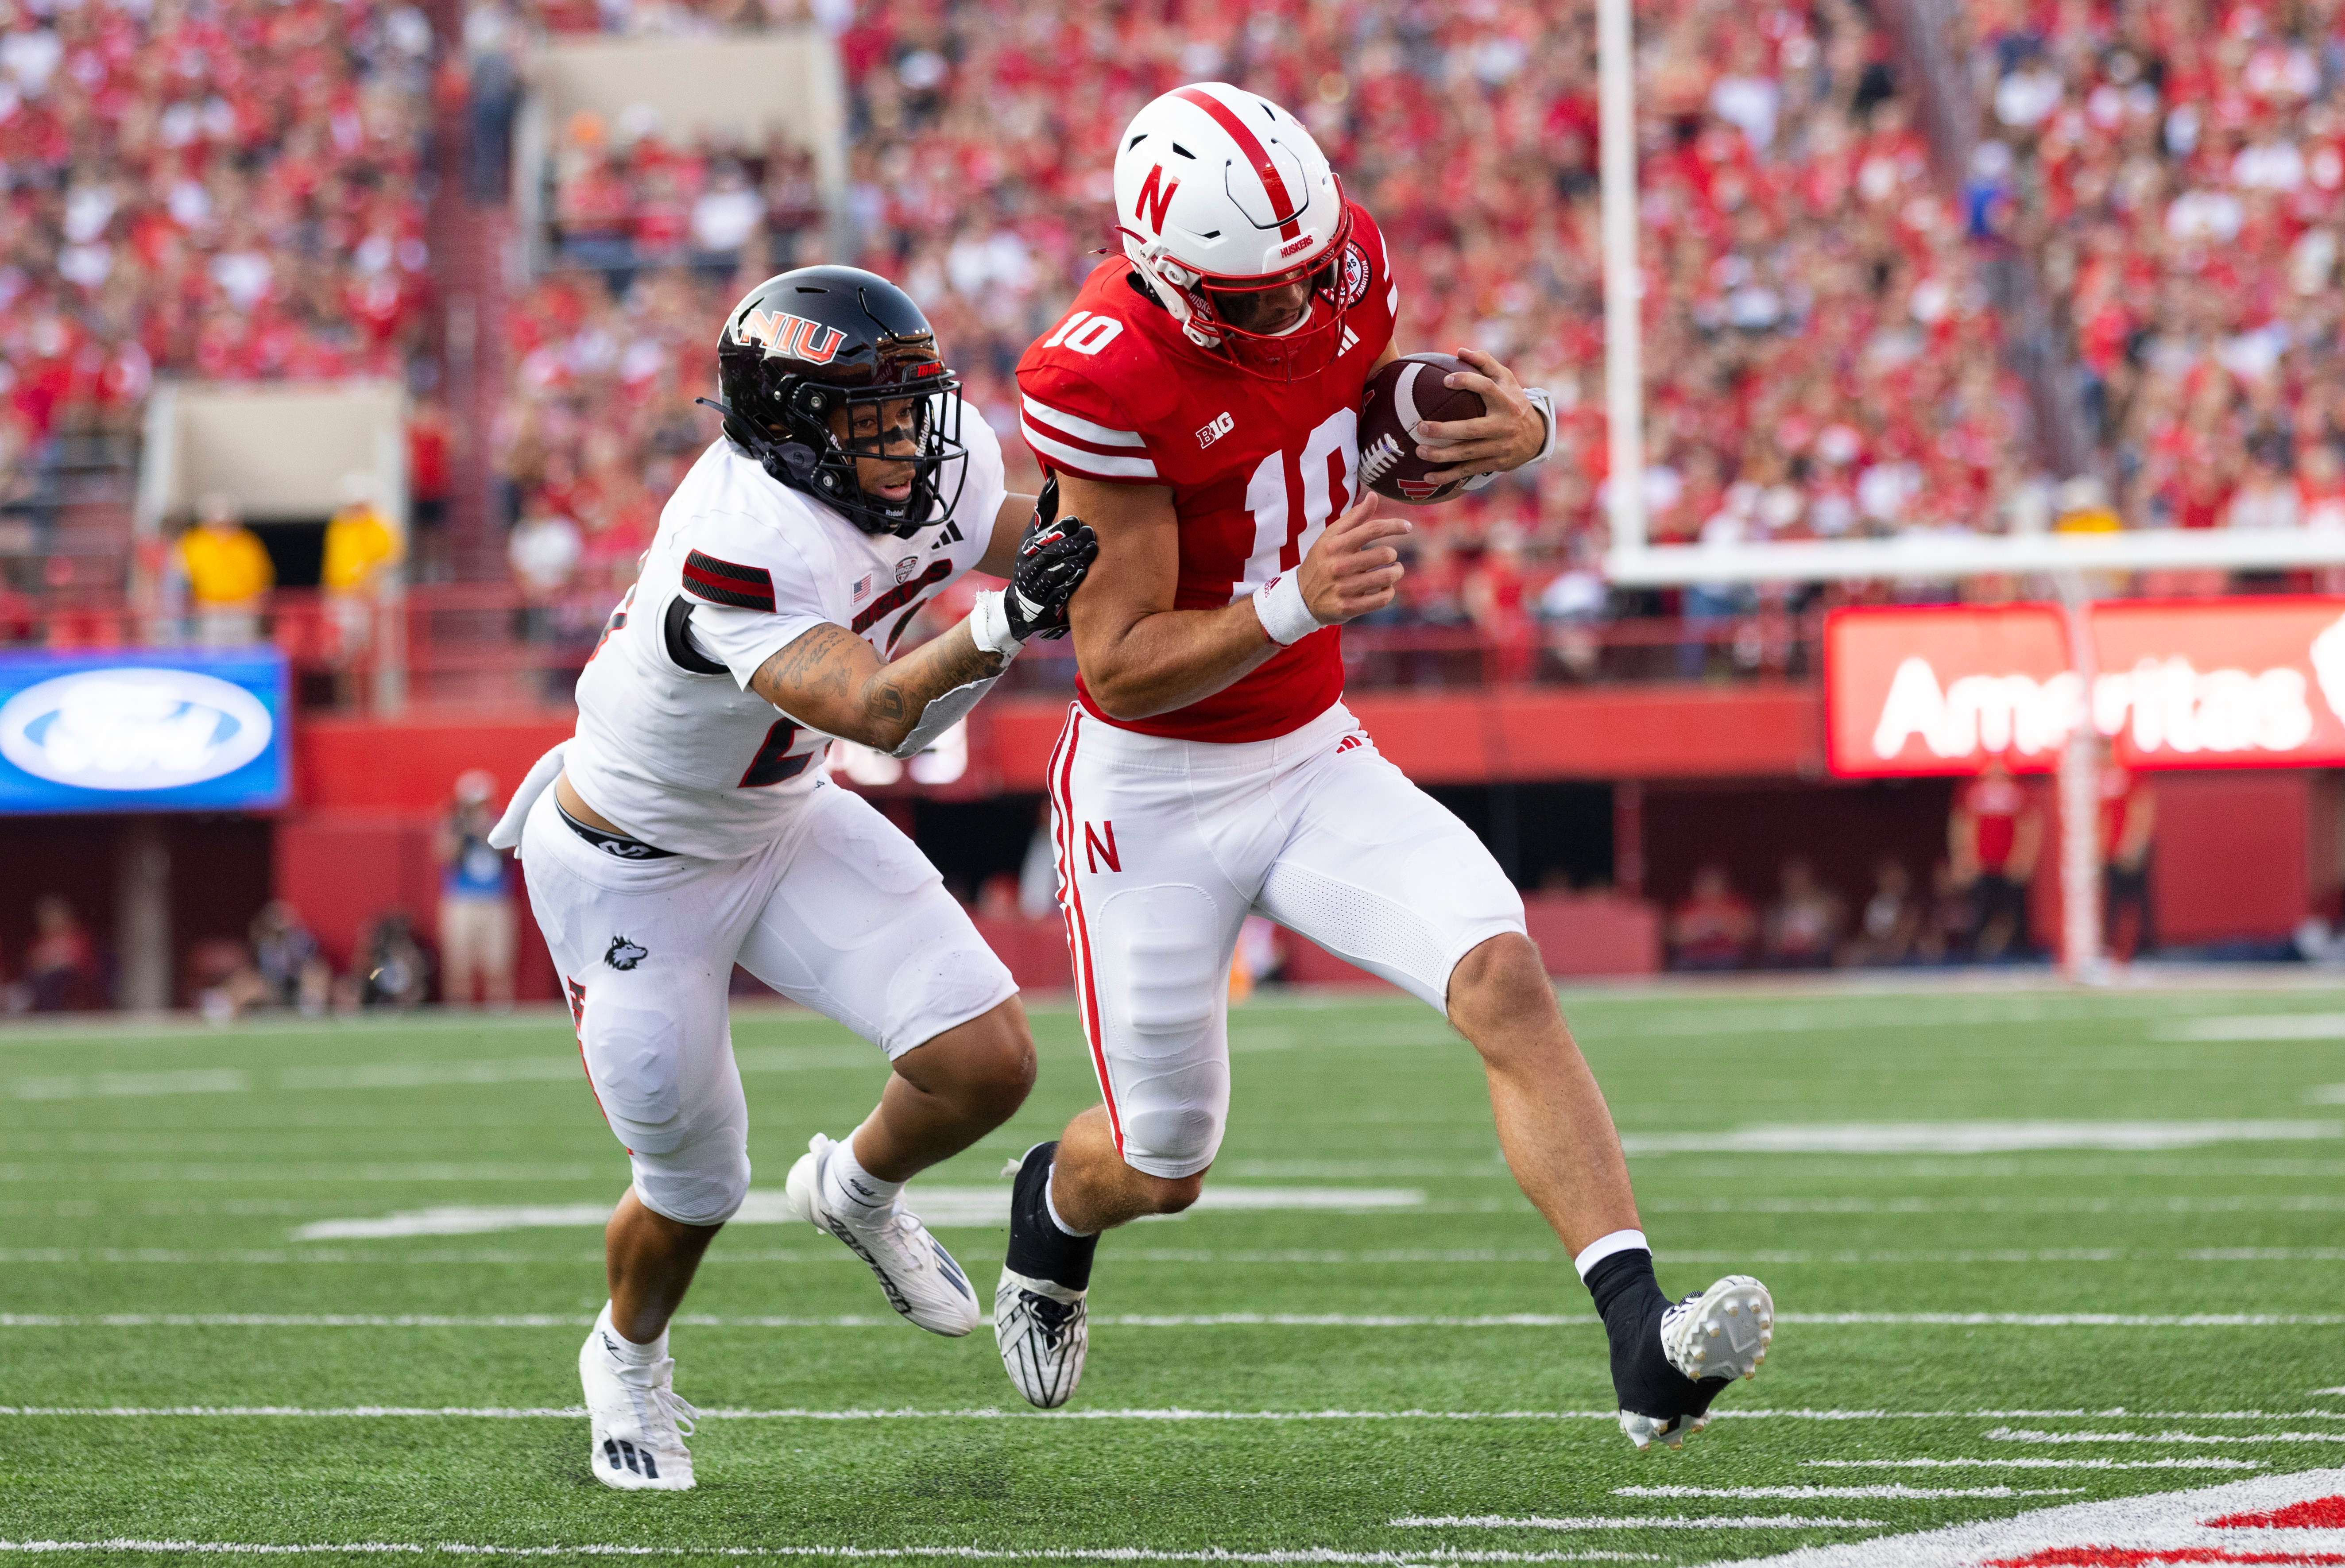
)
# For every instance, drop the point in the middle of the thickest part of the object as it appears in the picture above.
(806, 344)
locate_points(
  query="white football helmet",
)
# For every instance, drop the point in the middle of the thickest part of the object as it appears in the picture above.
(1219, 190)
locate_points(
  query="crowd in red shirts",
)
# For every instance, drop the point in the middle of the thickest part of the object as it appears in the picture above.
(1819, 358)
(221, 188)
(2178, 167)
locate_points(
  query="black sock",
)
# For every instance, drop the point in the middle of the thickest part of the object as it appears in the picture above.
(1629, 1300)
(1038, 1248)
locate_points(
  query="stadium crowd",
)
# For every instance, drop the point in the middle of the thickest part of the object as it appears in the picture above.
(2179, 172)
(1818, 352)
(224, 187)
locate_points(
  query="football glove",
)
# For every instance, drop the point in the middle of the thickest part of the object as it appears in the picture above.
(1052, 560)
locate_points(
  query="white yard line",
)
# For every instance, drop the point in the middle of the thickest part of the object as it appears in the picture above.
(1177, 1415)
(2250, 1026)
(1974, 1137)
(1304, 1256)
(939, 1206)
(1165, 1320)
(1631, 1521)
(2012, 1434)
(1886, 1490)
(2032, 1463)
(1310, 1554)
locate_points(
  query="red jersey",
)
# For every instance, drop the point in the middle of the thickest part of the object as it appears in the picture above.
(1996, 805)
(1117, 393)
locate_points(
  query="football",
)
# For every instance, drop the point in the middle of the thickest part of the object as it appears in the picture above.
(1408, 390)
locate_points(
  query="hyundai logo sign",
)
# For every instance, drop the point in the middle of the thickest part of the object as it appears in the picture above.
(141, 730)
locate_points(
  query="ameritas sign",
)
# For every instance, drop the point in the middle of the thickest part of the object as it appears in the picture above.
(2181, 683)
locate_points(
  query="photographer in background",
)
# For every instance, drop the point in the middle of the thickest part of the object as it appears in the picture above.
(476, 913)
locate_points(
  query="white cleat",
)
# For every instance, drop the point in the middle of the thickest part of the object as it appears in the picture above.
(1722, 1334)
(1043, 1329)
(919, 1277)
(639, 1423)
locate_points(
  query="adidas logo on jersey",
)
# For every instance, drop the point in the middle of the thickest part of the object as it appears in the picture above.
(950, 534)
(1223, 424)
(1351, 340)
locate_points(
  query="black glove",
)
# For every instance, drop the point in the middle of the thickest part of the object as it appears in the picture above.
(1052, 560)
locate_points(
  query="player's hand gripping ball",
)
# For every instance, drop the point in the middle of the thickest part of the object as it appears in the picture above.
(1399, 397)
(1052, 560)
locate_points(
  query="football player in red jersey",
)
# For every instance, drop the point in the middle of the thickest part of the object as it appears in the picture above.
(1199, 404)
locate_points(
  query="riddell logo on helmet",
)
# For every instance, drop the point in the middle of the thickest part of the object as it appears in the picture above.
(792, 337)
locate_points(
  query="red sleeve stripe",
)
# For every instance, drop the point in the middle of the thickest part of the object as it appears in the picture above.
(729, 583)
(1280, 204)
(1082, 431)
(1089, 465)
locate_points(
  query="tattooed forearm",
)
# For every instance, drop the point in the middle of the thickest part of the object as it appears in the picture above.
(830, 679)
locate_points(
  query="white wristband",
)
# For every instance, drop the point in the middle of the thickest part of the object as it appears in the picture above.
(1285, 616)
(988, 624)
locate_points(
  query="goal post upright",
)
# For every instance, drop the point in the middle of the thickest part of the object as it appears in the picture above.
(1624, 392)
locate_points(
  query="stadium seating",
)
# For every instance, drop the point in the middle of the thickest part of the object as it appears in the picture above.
(228, 189)
(1819, 353)
(2176, 172)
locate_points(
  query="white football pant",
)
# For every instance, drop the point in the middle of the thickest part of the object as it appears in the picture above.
(1165, 845)
(840, 913)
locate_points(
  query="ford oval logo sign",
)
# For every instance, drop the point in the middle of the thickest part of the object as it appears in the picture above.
(132, 728)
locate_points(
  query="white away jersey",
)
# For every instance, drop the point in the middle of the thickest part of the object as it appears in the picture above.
(672, 745)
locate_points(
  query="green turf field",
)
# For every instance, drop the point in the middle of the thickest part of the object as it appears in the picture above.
(1286, 1384)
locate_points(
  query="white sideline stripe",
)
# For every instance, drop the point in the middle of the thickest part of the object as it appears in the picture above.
(2256, 1026)
(1971, 1137)
(1165, 1320)
(1886, 1490)
(2288, 1203)
(842, 1553)
(2168, 1526)
(390, 1075)
(1177, 1414)
(2032, 1463)
(1476, 1256)
(1650, 1521)
(938, 1206)
(2010, 1434)
(1072, 424)
(1085, 461)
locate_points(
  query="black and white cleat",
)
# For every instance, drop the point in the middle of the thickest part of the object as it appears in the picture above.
(915, 1272)
(1701, 1345)
(1043, 1330)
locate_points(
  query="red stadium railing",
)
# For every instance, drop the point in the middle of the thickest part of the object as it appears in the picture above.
(488, 644)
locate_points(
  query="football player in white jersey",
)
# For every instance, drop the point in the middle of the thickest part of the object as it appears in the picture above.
(690, 824)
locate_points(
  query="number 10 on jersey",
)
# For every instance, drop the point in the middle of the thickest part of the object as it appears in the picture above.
(1294, 495)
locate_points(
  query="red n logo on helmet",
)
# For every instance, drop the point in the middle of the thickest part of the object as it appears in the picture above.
(1152, 203)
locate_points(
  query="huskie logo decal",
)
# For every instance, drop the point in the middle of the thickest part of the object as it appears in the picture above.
(624, 954)
(791, 337)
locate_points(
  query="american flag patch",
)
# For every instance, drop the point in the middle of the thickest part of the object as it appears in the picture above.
(863, 587)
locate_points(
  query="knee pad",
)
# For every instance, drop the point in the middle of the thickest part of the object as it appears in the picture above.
(636, 1060)
(701, 1184)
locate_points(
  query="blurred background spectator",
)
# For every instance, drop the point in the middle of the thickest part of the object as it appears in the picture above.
(393, 971)
(228, 575)
(1713, 928)
(61, 969)
(476, 911)
(1804, 924)
(2128, 827)
(1889, 927)
(1993, 838)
